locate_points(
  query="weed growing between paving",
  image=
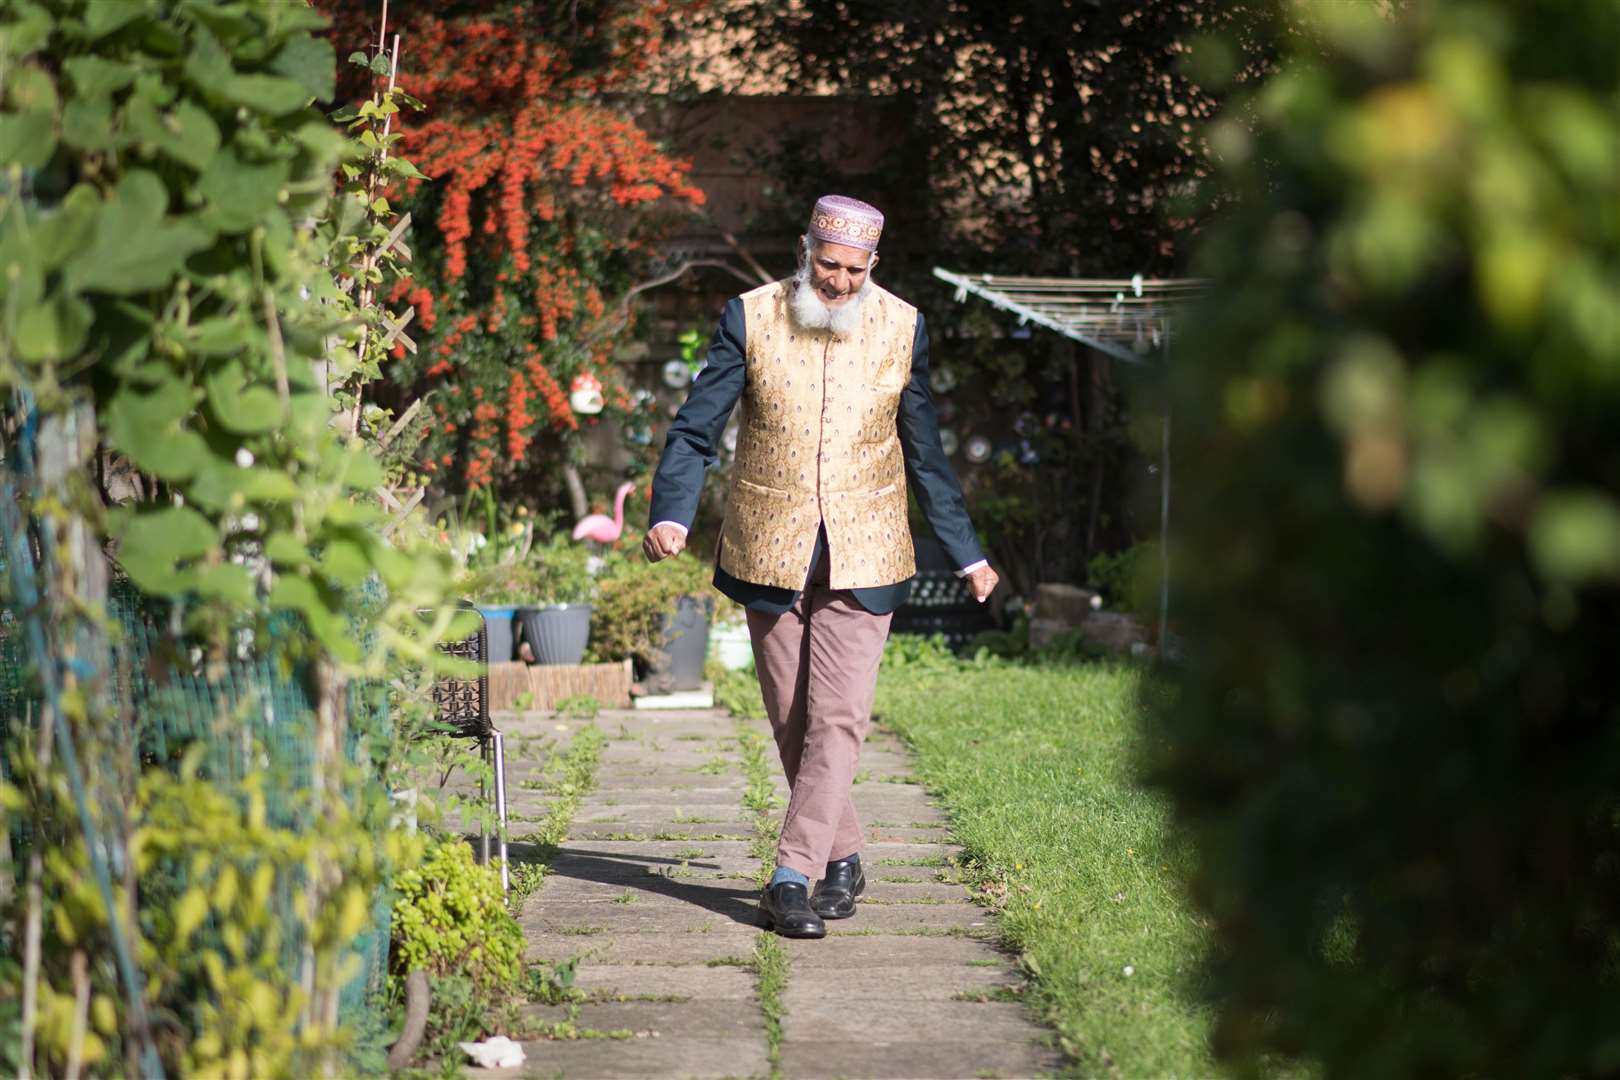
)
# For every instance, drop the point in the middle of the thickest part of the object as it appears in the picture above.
(759, 799)
(770, 961)
(568, 777)
(1032, 764)
(770, 981)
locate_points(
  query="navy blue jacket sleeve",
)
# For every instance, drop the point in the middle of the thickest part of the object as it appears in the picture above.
(694, 437)
(928, 470)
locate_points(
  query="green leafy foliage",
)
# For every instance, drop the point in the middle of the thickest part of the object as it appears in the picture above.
(450, 918)
(1392, 739)
(633, 595)
(930, 653)
(210, 862)
(171, 248)
(170, 256)
(1129, 579)
(562, 571)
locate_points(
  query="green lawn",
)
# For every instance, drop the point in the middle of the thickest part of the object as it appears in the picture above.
(1033, 766)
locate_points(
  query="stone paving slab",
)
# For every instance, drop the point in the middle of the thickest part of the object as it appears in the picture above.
(976, 1058)
(927, 891)
(660, 1056)
(656, 777)
(593, 811)
(695, 983)
(894, 875)
(901, 918)
(686, 1039)
(703, 914)
(691, 795)
(866, 981)
(675, 888)
(889, 834)
(810, 1015)
(659, 830)
(900, 853)
(633, 950)
(841, 954)
(692, 1019)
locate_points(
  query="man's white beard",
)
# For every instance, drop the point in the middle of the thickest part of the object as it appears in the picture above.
(811, 312)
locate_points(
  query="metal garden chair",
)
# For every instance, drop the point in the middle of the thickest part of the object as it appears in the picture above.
(462, 706)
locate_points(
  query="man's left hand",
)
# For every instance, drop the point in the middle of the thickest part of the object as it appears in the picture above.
(983, 582)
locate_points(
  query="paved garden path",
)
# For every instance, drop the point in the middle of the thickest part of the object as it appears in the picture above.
(655, 889)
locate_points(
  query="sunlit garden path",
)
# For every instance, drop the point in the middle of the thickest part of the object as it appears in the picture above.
(654, 890)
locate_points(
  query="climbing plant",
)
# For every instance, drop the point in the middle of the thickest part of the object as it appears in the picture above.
(181, 332)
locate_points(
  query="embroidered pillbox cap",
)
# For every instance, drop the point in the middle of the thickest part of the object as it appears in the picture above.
(838, 219)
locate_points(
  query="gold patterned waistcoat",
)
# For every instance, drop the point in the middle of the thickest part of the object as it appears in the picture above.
(817, 442)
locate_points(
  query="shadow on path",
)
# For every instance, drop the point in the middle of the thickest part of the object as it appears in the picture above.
(637, 871)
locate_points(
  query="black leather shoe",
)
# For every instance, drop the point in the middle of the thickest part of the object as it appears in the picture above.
(835, 893)
(785, 907)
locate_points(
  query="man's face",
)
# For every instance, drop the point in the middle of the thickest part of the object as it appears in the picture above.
(837, 271)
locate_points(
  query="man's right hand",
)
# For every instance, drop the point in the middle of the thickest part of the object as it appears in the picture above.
(661, 542)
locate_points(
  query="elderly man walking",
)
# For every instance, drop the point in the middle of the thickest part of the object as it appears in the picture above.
(837, 425)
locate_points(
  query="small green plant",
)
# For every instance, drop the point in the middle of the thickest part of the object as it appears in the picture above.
(501, 583)
(1128, 579)
(561, 569)
(1005, 644)
(632, 595)
(552, 984)
(916, 651)
(583, 706)
(737, 692)
(451, 918)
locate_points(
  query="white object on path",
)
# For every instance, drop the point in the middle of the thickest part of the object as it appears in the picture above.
(496, 1053)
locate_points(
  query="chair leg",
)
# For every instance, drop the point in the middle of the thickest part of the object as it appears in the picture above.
(483, 797)
(500, 806)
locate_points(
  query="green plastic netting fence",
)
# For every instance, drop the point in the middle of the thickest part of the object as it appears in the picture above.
(254, 712)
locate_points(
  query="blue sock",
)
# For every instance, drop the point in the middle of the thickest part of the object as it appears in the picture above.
(784, 873)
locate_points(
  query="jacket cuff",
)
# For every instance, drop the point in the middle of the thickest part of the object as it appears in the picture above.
(966, 570)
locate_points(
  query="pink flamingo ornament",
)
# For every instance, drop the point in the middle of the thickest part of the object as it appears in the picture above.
(600, 527)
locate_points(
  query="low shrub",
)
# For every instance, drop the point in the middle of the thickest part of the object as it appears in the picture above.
(631, 596)
(451, 918)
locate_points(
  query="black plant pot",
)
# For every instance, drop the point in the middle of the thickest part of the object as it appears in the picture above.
(685, 646)
(557, 634)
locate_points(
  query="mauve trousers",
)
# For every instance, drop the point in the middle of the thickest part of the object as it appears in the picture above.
(818, 664)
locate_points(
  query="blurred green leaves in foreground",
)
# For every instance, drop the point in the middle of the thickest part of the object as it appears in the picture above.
(1394, 737)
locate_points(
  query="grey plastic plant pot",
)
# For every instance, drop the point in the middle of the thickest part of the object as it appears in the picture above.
(685, 645)
(557, 634)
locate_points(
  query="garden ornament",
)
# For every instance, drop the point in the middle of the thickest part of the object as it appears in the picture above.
(677, 374)
(600, 527)
(585, 394)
